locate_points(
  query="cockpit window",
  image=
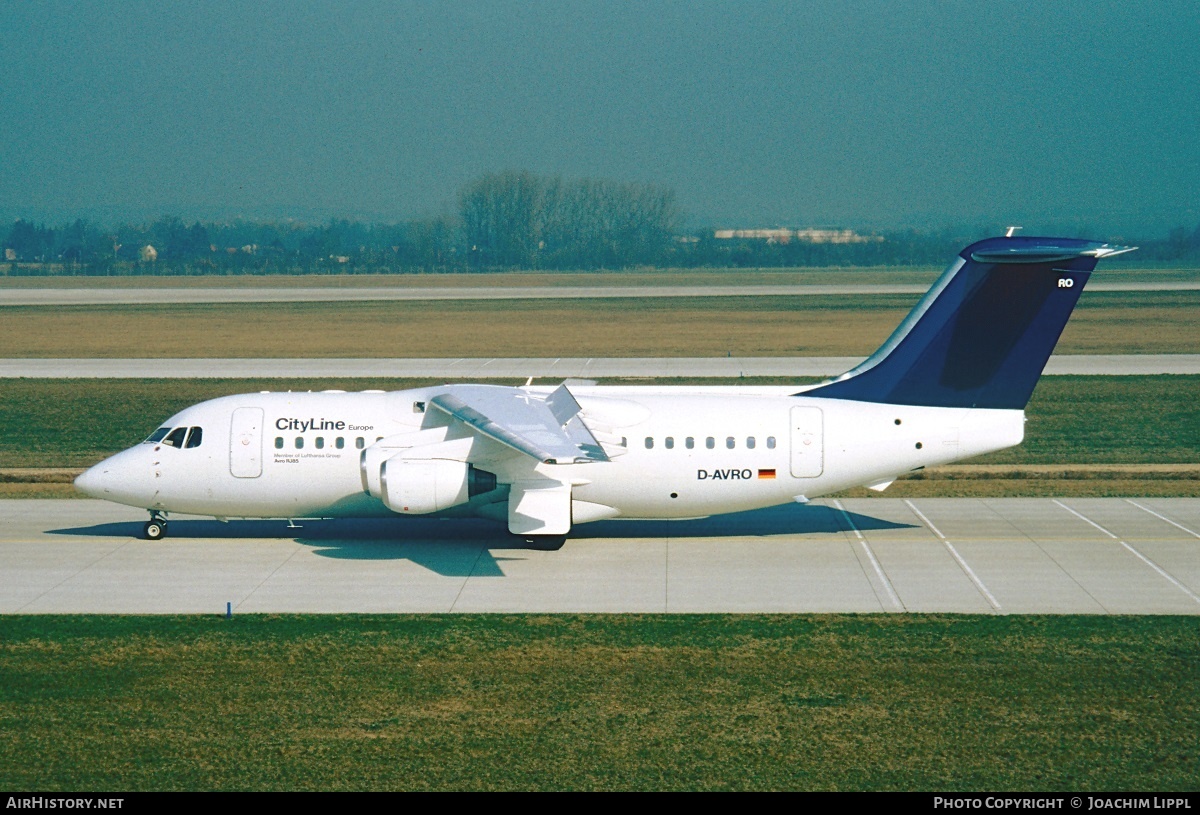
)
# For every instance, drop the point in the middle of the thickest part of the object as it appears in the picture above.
(194, 437)
(175, 437)
(157, 435)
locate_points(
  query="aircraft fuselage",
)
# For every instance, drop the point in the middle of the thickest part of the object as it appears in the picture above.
(690, 453)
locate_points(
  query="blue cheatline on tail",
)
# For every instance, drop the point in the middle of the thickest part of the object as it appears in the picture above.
(982, 335)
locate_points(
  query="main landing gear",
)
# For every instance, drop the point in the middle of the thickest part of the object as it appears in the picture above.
(155, 528)
(545, 543)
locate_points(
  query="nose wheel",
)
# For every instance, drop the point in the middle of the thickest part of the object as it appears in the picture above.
(155, 528)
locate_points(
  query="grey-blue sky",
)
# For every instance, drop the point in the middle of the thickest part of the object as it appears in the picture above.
(916, 113)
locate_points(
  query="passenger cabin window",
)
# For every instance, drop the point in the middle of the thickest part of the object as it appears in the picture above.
(669, 442)
(729, 442)
(299, 442)
(750, 442)
(689, 442)
(359, 443)
(175, 437)
(710, 442)
(157, 435)
(320, 442)
(195, 436)
(340, 443)
(770, 442)
(279, 442)
(649, 442)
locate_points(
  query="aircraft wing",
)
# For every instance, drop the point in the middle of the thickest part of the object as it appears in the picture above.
(544, 427)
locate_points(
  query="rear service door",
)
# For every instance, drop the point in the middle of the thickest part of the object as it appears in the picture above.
(808, 442)
(246, 443)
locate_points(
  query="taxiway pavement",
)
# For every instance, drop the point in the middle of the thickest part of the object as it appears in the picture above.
(990, 556)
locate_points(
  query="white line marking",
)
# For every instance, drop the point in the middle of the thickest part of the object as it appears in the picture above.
(1141, 557)
(962, 563)
(1160, 517)
(887, 584)
(1089, 520)
(463, 586)
(295, 551)
(1156, 568)
(85, 567)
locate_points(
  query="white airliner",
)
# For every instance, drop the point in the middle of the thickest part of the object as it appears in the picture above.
(951, 382)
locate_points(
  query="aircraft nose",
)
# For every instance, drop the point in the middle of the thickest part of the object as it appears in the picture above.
(91, 481)
(128, 477)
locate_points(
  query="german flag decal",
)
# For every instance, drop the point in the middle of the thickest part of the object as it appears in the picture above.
(766, 473)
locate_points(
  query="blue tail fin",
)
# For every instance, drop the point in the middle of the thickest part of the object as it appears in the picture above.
(981, 336)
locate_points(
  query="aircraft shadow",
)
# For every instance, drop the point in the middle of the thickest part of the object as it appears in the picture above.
(788, 519)
(474, 547)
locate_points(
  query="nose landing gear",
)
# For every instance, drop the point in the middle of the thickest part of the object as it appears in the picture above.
(155, 528)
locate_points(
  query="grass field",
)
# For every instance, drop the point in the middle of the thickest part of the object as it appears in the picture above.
(1104, 323)
(620, 702)
(1072, 420)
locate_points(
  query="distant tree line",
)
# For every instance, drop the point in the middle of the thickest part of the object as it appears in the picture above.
(505, 221)
(525, 221)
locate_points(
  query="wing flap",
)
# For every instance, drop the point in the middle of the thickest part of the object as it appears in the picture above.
(545, 428)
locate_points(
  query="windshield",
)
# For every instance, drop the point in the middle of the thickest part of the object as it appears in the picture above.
(157, 435)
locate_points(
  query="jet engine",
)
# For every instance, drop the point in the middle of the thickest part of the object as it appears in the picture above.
(416, 486)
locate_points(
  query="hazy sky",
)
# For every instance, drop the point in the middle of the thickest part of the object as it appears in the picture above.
(922, 113)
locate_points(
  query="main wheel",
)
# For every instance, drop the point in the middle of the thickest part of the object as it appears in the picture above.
(155, 530)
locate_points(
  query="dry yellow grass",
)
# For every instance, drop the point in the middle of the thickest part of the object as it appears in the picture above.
(666, 327)
(738, 326)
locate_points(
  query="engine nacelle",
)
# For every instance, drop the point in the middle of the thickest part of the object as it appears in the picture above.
(432, 442)
(417, 486)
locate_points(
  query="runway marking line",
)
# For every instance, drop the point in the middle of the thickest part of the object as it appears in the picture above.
(1048, 554)
(87, 566)
(1162, 518)
(295, 550)
(1140, 556)
(462, 586)
(883, 578)
(667, 571)
(954, 552)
